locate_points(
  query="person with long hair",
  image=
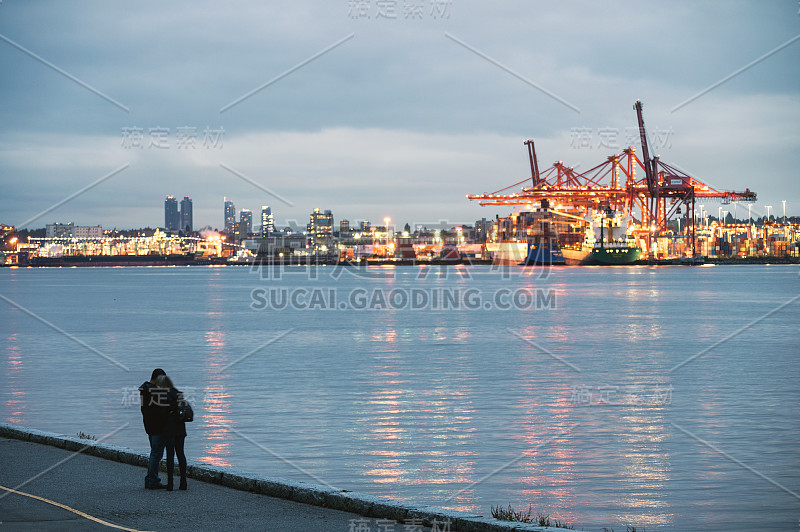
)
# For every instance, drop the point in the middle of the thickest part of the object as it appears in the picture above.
(153, 425)
(174, 431)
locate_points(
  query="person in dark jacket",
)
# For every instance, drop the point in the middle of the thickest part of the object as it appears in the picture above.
(153, 425)
(174, 431)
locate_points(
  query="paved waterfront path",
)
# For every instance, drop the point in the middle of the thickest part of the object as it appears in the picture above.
(114, 492)
(54, 482)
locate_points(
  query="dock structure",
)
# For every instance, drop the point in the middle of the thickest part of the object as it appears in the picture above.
(658, 194)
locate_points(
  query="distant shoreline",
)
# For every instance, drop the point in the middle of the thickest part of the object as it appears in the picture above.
(753, 260)
(466, 262)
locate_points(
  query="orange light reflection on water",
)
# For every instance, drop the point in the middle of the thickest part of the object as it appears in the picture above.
(550, 465)
(416, 434)
(217, 441)
(646, 464)
(553, 468)
(15, 402)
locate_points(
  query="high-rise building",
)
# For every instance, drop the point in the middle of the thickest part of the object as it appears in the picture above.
(246, 221)
(172, 220)
(230, 216)
(267, 221)
(320, 231)
(344, 227)
(186, 215)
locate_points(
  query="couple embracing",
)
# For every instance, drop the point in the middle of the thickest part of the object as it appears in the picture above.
(160, 400)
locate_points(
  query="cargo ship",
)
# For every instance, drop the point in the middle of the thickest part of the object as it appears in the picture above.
(577, 255)
(526, 239)
(550, 236)
(526, 253)
(605, 239)
(616, 253)
(543, 250)
(619, 250)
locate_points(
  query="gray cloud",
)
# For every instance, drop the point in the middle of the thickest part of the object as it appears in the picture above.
(398, 121)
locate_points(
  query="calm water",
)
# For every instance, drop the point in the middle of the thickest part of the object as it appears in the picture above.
(584, 407)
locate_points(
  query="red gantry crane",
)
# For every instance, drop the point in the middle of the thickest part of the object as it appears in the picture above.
(657, 196)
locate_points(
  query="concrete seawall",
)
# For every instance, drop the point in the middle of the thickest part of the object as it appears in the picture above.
(366, 505)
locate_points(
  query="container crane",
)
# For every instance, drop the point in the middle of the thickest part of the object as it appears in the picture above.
(614, 184)
(649, 164)
(534, 163)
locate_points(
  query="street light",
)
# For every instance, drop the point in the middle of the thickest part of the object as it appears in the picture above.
(719, 215)
(784, 210)
(768, 207)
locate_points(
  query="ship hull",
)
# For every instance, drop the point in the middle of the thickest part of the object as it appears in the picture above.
(577, 257)
(525, 254)
(544, 253)
(616, 255)
(508, 253)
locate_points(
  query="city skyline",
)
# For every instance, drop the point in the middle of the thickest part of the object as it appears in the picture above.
(719, 213)
(178, 220)
(440, 112)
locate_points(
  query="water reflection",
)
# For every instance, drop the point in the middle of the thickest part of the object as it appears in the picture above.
(217, 441)
(13, 388)
(420, 405)
(645, 465)
(549, 473)
(387, 335)
(416, 422)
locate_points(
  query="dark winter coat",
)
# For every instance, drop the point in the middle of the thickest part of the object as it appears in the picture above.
(171, 426)
(151, 411)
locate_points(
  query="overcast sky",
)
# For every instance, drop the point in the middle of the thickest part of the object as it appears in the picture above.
(379, 108)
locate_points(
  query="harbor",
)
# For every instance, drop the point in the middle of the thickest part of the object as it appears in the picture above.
(418, 403)
(629, 209)
(419, 266)
(503, 241)
(610, 215)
